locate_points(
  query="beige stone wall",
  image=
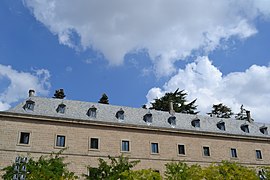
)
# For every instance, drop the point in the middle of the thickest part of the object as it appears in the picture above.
(43, 133)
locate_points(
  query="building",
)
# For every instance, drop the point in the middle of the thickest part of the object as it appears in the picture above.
(41, 125)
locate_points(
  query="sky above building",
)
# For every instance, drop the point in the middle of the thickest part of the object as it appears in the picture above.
(136, 51)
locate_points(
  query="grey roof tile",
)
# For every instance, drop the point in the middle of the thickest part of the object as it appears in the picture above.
(134, 116)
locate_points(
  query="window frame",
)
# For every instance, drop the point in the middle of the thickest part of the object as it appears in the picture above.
(264, 130)
(56, 140)
(157, 149)
(29, 105)
(260, 154)
(208, 151)
(61, 108)
(233, 153)
(221, 126)
(148, 118)
(120, 115)
(245, 128)
(178, 150)
(128, 143)
(90, 144)
(196, 123)
(92, 112)
(20, 137)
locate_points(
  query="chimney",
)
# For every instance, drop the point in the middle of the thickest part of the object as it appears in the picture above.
(171, 111)
(31, 93)
(248, 116)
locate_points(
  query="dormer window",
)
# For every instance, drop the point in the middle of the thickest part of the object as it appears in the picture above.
(29, 105)
(61, 108)
(120, 114)
(148, 118)
(195, 123)
(221, 125)
(264, 130)
(172, 121)
(92, 112)
(244, 127)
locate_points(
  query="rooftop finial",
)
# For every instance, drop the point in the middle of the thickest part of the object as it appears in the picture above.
(171, 110)
(31, 93)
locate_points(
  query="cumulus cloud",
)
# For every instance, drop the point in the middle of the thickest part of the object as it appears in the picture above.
(20, 83)
(168, 30)
(202, 80)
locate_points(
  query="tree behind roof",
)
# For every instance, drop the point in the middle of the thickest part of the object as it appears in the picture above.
(180, 104)
(104, 99)
(221, 111)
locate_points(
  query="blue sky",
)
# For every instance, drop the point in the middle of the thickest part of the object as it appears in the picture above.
(135, 51)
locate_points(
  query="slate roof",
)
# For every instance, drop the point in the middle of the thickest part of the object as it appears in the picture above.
(77, 110)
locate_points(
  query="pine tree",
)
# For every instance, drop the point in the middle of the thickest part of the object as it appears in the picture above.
(104, 99)
(178, 98)
(221, 111)
(59, 94)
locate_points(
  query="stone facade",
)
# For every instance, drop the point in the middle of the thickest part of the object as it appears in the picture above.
(201, 145)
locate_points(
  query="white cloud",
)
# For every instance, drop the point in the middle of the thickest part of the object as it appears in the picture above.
(169, 30)
(20, 83)
(202, 80)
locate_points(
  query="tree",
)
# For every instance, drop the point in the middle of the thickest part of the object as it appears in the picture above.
(181, 171)
(229, 171)
(221, 111)
(44, 168)
(104, 99)
(143, 174)
(59, 94)
(112, 170)
(178, 98)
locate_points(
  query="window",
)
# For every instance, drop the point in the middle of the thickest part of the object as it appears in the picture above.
(24, 138)
(120, 114)
(258, 154)
(195, 123)
(221, 125)
(125, 146)
(244, 127)
(181, 149)
(264, 130)
(60, 141)
(61, 108)
(206, 151)
(94, 143)
(92, 112)
(29, 105)
(154, 148)
(172, 121)
(148, 118)
(233, 153)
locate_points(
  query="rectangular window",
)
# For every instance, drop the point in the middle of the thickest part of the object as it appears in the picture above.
(125, 146)
(181, 149)
(258, 154)
(94, 143)
(206, 151)
(60, 141)
(24, 138)
(233, 153)
(154, 148)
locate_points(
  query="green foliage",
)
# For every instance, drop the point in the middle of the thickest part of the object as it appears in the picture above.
(59, 94)
(229, 171)
(104, 99)
(221, 111)
(143, 174)
(45, 168)
(110, 171)
(179, 103)
(181, 171)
